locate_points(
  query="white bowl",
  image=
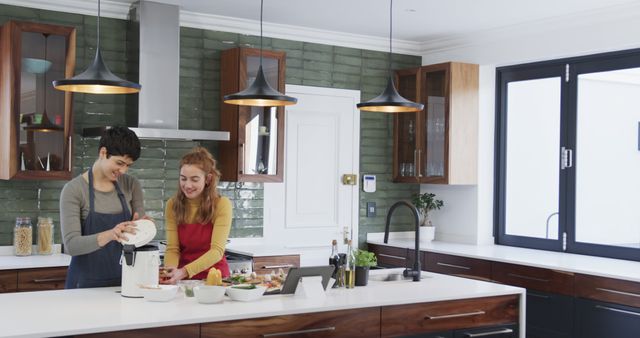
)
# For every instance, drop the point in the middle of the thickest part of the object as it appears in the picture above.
(209, 294)
(159, 293)
(245, 295)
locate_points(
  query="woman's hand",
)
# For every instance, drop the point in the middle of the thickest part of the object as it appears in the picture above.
(118, 233)
(137, 217)
(173, 275)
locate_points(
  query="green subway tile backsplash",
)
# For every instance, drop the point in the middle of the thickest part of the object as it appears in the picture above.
(307, 63)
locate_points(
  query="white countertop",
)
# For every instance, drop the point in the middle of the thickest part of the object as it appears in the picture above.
(34, 314)
(35, 261)
(260, 249)
(591, 265)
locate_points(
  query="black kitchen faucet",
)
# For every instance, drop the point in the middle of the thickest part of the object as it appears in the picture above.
(415, 272)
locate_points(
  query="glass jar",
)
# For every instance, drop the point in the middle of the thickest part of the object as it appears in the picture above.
(45, 236)
(22, 236)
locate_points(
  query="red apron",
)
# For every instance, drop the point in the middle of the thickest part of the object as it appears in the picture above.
(195, 240)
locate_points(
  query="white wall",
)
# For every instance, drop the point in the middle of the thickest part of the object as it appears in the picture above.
(468, 213)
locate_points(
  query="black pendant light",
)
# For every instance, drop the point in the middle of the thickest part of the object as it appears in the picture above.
(97, 79)
(390, 100)
(45, 124)
(260, 93)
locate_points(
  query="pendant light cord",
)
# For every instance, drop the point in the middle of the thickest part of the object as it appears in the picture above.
(98, 44)
(390, 34)
(261, 10)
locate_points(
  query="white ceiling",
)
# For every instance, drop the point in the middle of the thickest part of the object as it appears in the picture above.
(420, 27)
(414, 20)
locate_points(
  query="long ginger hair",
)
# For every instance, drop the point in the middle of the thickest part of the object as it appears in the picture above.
(203, 159)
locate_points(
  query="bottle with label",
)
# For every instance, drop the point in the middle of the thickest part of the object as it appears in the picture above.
(22, 236)
(350, 267)
(334, 260)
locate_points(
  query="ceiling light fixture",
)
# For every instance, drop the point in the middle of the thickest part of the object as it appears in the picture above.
(390, 101)
(260, 93)
(97, 79)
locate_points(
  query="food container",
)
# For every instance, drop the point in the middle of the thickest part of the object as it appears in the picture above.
(209, 294)
(187, 286)
(45, 236)
(22, 236)
(158, 293)
(245, 292)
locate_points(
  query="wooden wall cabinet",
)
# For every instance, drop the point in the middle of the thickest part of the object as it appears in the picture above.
(438, 145)
(36, 122)
(255, 151)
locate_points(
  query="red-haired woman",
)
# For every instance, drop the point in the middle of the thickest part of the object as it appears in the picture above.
(197, 221)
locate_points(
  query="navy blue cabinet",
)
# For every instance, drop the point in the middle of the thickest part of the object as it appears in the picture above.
(498, 331)
(596, 319)
(549, 315)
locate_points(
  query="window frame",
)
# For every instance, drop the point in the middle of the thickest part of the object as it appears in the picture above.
(575, 66)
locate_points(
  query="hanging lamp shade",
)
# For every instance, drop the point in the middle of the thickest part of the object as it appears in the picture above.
(390, 101)
(97, 79)
(260, 93)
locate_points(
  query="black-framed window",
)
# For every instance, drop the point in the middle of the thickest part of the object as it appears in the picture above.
(567, 173)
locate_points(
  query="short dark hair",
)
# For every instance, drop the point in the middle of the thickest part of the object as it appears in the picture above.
(120, 141)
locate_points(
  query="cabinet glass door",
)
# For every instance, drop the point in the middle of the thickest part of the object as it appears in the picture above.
(259, 125)
(432, 158)
(41, 118)
(406, 131)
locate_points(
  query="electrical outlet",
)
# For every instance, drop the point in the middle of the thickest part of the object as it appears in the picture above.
(371, 209)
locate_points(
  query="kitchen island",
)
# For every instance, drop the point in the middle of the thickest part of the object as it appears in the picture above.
(84, 311)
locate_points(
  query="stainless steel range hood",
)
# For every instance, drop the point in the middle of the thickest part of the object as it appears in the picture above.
(158, 37)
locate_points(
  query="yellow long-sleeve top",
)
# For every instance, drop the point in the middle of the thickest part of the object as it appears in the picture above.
(221, 227)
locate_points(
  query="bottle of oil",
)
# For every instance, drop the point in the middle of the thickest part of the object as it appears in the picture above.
(334, 260)
(350, 267)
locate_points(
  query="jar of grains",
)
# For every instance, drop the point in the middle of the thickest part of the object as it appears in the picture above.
(22, 236)
(45, 236)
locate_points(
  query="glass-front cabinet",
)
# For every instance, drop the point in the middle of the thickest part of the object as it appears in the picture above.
(439, 144)
(255, 150)
(35, 119)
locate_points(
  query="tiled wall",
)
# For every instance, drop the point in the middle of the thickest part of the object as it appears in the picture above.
(307, 64)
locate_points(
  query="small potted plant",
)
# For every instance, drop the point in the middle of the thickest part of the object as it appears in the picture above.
(364, 260)
(425, 203)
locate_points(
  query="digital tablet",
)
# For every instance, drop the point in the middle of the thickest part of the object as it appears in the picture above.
(294, 275)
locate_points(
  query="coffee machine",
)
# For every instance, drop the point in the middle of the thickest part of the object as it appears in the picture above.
(140, 261)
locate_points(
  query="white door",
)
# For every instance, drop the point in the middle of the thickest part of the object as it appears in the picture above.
(312, 206)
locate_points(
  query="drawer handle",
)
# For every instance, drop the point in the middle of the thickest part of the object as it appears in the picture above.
(49, 280)
(618, 310)
(291, 333)
(277, 266)
(528, 277)
(489, 333)
(455, 315)
(454, 266)
(533, 294)
(392, 256)
(619, 292)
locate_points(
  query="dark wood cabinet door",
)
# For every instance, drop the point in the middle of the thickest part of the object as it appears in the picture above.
(347, 323)
(390, 257)
(255, 150)
(403, 320)
(598, 319)
(608, 290)
(8, 281)
(42, 279)
(182, 331)
(545, 280)
(457, 266)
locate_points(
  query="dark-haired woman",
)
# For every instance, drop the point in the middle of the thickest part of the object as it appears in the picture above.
(197, 221)
(97, 209)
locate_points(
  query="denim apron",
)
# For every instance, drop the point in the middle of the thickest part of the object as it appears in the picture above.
(101, 267)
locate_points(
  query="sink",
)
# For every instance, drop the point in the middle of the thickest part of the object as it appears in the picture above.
(392, 277)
